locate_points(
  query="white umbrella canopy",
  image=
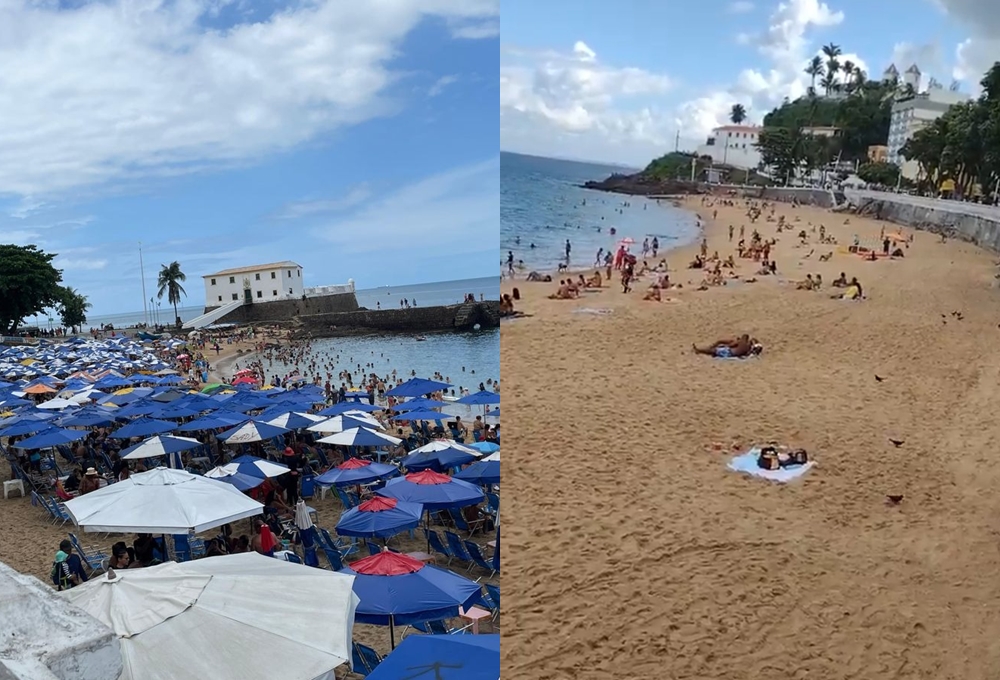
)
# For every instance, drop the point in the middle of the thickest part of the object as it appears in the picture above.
(445, 445)
(58, 404)
(162, 501)
(493, 456)
(160, 445)
(245, 616)
(346, 422)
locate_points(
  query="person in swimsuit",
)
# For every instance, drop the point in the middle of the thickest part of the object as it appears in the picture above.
(738, 347)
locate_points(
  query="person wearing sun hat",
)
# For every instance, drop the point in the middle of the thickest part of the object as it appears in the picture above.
(90, 482)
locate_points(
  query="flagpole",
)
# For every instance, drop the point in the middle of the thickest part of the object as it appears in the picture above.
(142, 273)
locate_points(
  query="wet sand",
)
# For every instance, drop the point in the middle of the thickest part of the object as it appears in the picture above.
(637, 554)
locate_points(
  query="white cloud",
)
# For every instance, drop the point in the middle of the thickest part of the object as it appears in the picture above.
(455, 211)
(741, 7)
(550, 97)
(114, 90)
(300, 209)
(975, 55)
(441, 84)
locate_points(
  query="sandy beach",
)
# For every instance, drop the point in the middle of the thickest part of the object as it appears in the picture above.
(638, 554)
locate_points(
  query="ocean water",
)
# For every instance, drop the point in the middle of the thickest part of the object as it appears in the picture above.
(541, 203)
(425, 295)
(464, 359)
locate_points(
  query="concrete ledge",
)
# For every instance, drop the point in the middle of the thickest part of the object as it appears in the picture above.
(43, 637)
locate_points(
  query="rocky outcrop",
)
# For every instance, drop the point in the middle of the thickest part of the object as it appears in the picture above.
(464, 317)
(641, 184)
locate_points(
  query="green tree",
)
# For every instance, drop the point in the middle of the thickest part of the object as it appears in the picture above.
(169, 284)
(886, 174)
(815, 69)
(737, 114)
(72, 308)
(832, 52)
(781, 149)
(29, 284)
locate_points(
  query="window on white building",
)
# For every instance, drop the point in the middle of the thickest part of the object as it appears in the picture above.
(232, 279)
(213, 282)
(260, 293)
(220, 298)
(274, 293)
(272, 275)
(235, 296)
(257, 277)
(290, 292)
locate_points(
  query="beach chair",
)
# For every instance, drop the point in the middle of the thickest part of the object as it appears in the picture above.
(493, 592)
(493, 502)
(462, 525)
(345, 498)
(372, 548)
(332, 556)
(436, 545)
(92, 556)
(457, 548)
(477, 558)
(344, 549)
(57, 510)
(364, 659)
(38, 501)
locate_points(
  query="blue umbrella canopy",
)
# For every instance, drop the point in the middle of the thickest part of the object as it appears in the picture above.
(213, 421)
(439, 455)
(360, 436)
(252, 466)
(433, 489)
(24, 426)
(417, 387)
(159, 445)
(380, 517)
(480, 398)
(421, 414)
(420, 403)
(356, 471)
(143, 427)
(290, 419)
(442, 657)
(342, 407)
(481, 473)
(251, 431)
(398, 589)
(241, 482)
(88, 418)
(52, 437)
(484, 447)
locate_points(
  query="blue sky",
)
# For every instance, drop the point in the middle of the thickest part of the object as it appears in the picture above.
(616, 82)
(354, 138)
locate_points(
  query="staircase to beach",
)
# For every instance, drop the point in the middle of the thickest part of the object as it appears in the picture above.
(213, 316)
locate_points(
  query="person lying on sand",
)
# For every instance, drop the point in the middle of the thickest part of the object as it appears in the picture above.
(826, 258)
(729, 263)
(840, 281)
(506, 305)
(653, 294)
(738, 347)
(535, 276)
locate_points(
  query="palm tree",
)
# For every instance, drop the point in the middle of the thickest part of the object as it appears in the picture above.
(169, 282)
(829, 82)
(738, 114)
(848, 70)
(814, 70)
(832, 63)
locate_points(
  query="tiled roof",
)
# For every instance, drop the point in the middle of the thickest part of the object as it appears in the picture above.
(255, 268)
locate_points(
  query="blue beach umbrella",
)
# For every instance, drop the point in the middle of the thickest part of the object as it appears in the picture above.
(251, 431)
(254, 467)
(398, 589)
(291, 420)
(344, 422)
(380, 517)
(433, 490)
(241, 482)
(422, 415)
(159, 445)
(172, 412)
(484, 447)
(417, 387)
(143, 427)
(88, 418)
(342, 407)
(213, 421)
(494, 413)
(356, 471)
(439, 455)
(25, 426)
(360, 436)
(480, 398)
(481, 473)
(51, 437)
(420, 403)
(442, 657)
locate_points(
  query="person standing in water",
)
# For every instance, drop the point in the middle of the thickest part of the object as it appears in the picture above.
(655, 245)
(569, 247)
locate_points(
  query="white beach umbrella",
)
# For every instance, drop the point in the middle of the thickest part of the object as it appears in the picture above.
(234, 616)
(493, 456)
(162, 501)
(360, 436)
(346, 422)
(159, 445)
(58, 404)
(445, 445)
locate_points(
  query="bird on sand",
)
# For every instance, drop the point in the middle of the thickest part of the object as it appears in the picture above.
(897, 442)
(878, 378)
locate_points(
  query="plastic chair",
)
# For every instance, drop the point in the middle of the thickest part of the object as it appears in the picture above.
(457, 548)
(92, 557)
(436, 545)
(494, 595)
(477, 558)
(364, 659)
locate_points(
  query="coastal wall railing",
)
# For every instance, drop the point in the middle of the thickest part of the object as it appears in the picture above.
(212, 316)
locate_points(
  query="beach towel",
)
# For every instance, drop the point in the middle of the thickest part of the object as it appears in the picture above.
(595, 312)
(747, 463)
(726, 353)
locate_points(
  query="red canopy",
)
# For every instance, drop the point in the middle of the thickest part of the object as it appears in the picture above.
(378, 504)
(428, 477)
(353, 463)
(387, 564)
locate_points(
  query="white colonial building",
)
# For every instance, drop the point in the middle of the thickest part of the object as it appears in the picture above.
(266, 282)
(911, 113)
(734, 145)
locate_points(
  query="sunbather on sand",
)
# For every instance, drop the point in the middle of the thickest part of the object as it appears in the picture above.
(738, 347)
(595, 281)
(535, 276)
(565, 292)
(653, 294)
(807, 284)
(840, 281)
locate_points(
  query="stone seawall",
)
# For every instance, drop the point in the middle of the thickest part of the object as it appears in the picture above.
(977, 224)
(462, 317)
(282, 311)
(823, 198)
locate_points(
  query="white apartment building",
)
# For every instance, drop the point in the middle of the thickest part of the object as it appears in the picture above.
(266, 282)
(910, 114)
(734, 145)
